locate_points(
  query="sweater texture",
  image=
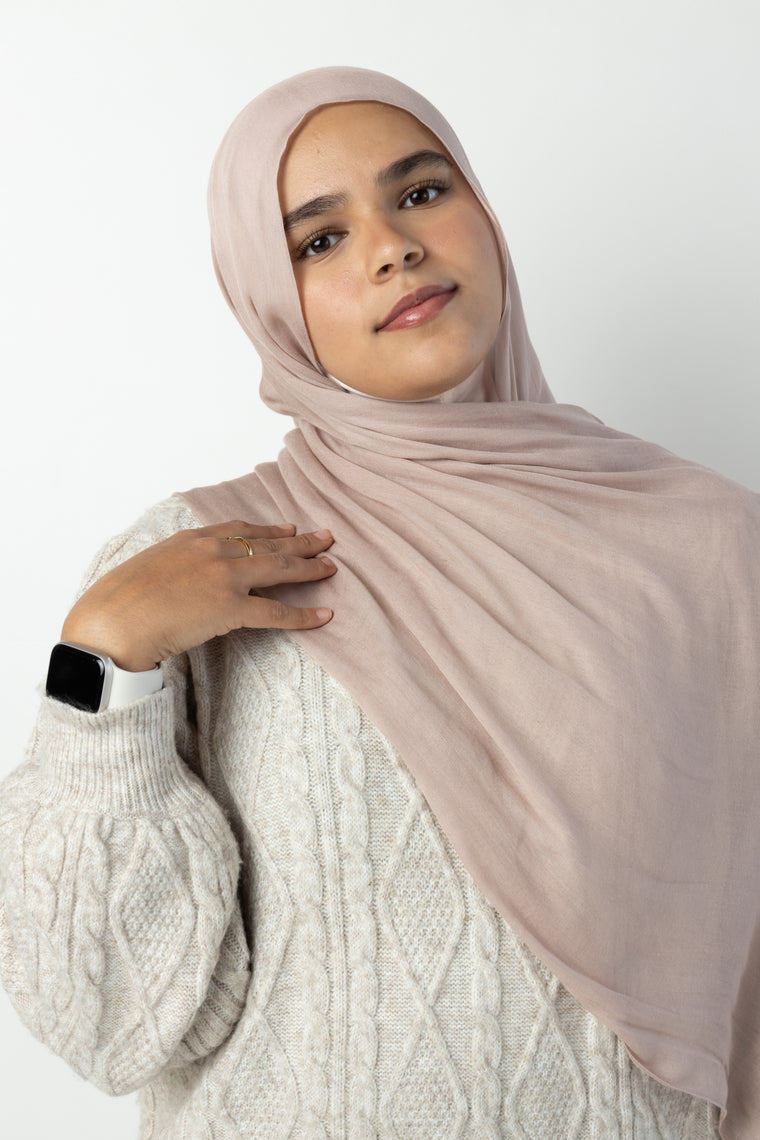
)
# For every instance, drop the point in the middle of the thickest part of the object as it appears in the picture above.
(232, 897)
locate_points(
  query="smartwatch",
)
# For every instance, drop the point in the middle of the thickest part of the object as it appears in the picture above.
(90, 681)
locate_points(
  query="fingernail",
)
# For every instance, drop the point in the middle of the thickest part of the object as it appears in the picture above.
(327, 561)
(323, 614)
(324, 534)
(285, 526)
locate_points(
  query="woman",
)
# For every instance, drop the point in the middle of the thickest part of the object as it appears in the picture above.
(491, 802)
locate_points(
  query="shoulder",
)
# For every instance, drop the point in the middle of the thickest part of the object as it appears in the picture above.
(733, 510)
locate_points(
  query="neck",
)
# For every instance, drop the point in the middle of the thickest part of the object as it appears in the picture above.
(476, 389)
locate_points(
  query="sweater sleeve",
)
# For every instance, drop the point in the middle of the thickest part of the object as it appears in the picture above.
(121, 944)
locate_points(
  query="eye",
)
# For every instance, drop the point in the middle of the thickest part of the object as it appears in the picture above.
(422, 194)
(315, 244)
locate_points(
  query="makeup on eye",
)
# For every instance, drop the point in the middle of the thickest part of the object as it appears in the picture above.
(432, 188)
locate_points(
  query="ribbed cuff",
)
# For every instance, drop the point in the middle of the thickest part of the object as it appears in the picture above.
(121, 761)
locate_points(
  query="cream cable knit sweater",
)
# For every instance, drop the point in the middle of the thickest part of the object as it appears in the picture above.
(231, 896)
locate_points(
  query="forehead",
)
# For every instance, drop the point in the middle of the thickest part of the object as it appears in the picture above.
(344, 139)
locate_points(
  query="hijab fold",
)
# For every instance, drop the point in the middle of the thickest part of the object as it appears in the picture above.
(555, 623)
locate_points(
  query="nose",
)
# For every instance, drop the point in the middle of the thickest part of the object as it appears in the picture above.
(391, 247)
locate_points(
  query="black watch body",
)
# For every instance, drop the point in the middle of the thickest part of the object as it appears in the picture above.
(78, 676)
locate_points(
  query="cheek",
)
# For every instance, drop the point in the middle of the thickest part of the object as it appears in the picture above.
(480, 242)
(469, 244)
(328, 303)
(471, 248)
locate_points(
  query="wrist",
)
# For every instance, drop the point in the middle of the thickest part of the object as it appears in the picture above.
(99, 639)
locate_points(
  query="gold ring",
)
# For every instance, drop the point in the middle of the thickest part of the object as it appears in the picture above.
(245, 542)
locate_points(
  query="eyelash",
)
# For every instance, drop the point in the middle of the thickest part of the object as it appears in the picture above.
(426, 184)
(301, 252)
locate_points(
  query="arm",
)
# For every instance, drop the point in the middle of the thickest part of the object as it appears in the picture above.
(117, 898)
(120, 942)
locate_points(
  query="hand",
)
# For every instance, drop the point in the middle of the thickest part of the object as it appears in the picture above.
(194, 586)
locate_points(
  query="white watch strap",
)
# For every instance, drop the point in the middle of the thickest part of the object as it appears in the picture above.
(125, 687)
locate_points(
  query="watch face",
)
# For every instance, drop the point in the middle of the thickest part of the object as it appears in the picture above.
(76, 677)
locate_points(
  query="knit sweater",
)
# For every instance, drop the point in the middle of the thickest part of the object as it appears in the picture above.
(231, 896)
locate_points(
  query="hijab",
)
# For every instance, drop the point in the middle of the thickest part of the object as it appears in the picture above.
(555, 623)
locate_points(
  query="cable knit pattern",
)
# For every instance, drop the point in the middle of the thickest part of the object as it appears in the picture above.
(420, 902)
(361, 936)
(352, 983)
(486, 1003)
(310, 926)
(601, 1084)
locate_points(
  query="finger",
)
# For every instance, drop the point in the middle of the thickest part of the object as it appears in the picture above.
(299, 545)
(268, 613)
(275, 569)
(305, 545)
(246, 529)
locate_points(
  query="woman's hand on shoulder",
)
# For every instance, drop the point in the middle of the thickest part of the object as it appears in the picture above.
(196, 585)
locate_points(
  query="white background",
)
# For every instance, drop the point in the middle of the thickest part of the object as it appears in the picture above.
(618, 143)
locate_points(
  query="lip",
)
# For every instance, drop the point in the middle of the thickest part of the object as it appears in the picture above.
(417, 307)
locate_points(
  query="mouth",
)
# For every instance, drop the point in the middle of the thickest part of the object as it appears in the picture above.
(417, 307)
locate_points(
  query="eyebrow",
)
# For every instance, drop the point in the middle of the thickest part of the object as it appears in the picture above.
(398, 169)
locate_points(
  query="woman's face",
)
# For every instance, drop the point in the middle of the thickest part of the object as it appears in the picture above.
(396, 263)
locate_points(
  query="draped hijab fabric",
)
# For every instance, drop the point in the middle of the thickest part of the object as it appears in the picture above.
(555, 623)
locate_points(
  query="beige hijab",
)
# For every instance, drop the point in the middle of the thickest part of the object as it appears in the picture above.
(555, 623)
